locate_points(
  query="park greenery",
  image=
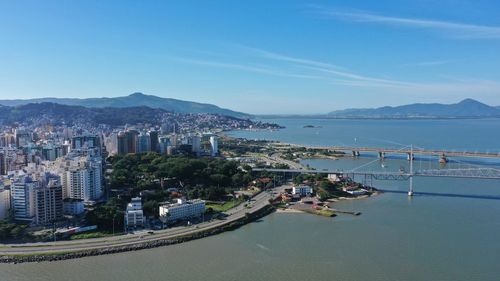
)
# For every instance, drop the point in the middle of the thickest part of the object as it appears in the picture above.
(10, 230)
(226, 205)
(107, 216)
(206, 178)
(236, 147)
(160, 178)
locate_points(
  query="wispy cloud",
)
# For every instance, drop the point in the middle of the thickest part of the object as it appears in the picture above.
(245, 67)
(277, 64)
(428, 63)
(447, 28)
(331, 70)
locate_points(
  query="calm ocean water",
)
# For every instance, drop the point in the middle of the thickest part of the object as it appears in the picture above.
(448, 231)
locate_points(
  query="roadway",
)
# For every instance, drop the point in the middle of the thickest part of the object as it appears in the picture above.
(257, 202)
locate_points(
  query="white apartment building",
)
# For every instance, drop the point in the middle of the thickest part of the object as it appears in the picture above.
(214, 146)
(134, 215)
(302, 190)
(182, 210)
(81, 177)
(23, 198)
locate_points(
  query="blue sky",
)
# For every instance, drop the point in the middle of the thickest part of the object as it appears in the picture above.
(254, 56)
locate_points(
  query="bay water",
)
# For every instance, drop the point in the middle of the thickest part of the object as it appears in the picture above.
(450, 229)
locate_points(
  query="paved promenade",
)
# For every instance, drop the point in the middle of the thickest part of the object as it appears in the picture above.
(258, 202)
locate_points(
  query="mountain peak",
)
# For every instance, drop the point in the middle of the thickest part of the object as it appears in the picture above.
(470, 101)
(465, 108)
(137, 95)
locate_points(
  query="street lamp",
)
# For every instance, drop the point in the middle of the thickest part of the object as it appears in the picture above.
(113, 225)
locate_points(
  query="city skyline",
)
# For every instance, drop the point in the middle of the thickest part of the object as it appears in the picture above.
(258, 57)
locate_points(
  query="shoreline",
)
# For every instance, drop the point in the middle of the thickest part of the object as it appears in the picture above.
(56, 255)
(50, 257)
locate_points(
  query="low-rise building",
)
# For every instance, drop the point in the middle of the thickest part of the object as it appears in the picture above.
(73, 207)
(302, 190)
(335, 177)
(134, 215)
(182, 210)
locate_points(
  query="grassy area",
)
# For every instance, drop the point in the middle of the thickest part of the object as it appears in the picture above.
(89, 235)
(226, 206)
(280, 205)
(326, 213)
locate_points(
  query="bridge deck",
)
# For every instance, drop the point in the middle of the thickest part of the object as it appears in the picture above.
(480, 173)
(416, 151)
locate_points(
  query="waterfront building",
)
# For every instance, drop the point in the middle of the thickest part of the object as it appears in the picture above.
(22, 198)
(214, 146)
(134, 215)
(81, 177)
(73, 207)
(48, 202)
(4, 203)
(182, 210)
(302, 190)
(335, 177)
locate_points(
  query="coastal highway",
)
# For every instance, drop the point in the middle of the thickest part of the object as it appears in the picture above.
(257, 202)
(276, 158)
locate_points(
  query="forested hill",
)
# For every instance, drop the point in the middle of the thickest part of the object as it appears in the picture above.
(58, 114)
(134, 100)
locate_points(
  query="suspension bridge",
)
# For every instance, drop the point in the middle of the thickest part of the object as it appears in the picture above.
(459, 169)
(382, 152)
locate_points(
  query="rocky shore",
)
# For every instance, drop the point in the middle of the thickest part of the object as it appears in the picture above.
(139, 246)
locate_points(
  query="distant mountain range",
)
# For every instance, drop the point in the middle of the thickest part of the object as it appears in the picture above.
(133, 100)
(467, 108)
(54, 113)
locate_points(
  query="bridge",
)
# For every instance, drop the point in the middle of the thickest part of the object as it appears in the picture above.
(470, 172)
(355, 150)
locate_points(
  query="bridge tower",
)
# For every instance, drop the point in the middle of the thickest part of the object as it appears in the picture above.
(442, 159)
(410, 191)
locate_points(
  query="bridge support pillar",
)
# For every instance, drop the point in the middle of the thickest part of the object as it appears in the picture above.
(381, 154)
(443, 159)
(355, 153)
(410, 156)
